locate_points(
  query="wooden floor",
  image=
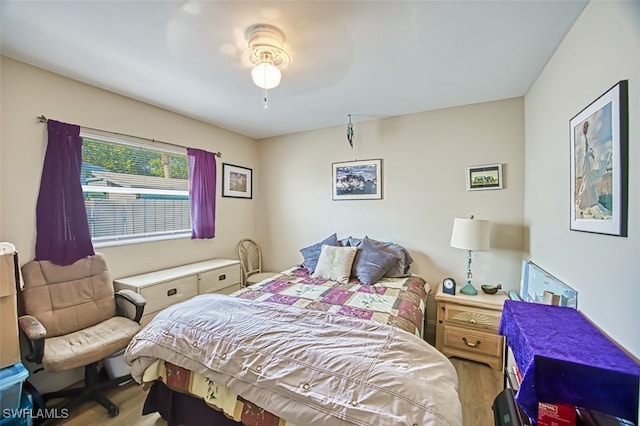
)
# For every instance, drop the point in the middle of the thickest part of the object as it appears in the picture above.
(478, 386)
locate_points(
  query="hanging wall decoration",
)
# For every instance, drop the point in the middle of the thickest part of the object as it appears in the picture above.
(599, 164)
(350, 132)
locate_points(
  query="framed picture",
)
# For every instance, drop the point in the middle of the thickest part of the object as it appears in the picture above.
(357, 180)
(484, 177)
(599, 164)
(237, 182)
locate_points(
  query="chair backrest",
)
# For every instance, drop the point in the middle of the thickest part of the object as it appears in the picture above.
(68, 298)
(250, 258)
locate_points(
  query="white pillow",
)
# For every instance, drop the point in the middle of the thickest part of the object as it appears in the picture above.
(335, 263)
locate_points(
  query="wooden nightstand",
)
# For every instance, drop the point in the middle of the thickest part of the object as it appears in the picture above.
(467, 326)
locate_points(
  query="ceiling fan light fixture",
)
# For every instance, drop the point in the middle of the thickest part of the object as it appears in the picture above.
(265, 75)
(266, 55)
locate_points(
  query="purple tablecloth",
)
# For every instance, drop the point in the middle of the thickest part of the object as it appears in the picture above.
(563, 358)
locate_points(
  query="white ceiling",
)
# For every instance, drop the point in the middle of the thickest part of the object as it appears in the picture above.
(367, 58)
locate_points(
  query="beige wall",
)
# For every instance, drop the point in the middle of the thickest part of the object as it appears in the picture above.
(602, 48)
(424, 158)
(28, 92)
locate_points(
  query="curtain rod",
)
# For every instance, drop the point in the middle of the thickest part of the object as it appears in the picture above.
(43, 119)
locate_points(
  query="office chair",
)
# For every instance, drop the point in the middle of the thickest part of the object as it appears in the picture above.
(73, 318)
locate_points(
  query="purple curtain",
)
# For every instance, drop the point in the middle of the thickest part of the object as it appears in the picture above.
(202, 193)
(62, 228)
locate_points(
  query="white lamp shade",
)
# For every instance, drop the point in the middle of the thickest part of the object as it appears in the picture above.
(470, 234)
(266, 75)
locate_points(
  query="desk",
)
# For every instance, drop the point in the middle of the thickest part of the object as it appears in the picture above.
(563, 358)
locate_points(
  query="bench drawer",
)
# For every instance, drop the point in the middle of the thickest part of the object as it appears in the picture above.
(161, 295)
(218, 279)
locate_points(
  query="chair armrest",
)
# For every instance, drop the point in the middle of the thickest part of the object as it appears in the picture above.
(126, 301)
(35, 333)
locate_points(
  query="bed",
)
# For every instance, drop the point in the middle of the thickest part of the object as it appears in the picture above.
(297, 349)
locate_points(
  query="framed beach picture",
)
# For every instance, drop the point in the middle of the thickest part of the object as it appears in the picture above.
(357, 180)
(599, 164)
(237, 182)
(484, 177)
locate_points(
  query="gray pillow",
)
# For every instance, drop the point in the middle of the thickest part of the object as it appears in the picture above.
(402, 267)
(311, 254)
(355, 242)
(345, 242)
(404, 260)
(371, 262)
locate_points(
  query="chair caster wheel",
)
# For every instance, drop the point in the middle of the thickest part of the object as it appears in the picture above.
(113, 411)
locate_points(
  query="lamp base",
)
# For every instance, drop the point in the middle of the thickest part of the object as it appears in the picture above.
(469, 289)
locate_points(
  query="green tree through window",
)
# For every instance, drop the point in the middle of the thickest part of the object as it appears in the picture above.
(134, 193)
(132, 160)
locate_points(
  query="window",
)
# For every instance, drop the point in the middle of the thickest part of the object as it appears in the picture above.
(134, 192)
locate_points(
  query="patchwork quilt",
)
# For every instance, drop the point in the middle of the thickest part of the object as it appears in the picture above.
(399, 302)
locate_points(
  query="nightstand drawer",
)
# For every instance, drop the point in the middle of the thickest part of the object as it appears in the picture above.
(475, 318)
(471, 341)
(161, 295)
(218, 279)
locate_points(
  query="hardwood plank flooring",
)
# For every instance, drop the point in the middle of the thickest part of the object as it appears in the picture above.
(129, 398)
(478, 386)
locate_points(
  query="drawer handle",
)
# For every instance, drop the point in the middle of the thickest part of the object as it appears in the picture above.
(472, 321)
(222, 277)
(172, 292)
(471, 345)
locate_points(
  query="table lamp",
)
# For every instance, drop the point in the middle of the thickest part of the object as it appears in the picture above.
(470, 234)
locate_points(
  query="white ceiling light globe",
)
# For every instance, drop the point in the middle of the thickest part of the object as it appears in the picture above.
(266, 76)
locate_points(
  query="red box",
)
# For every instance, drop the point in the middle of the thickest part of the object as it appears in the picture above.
(556, 414)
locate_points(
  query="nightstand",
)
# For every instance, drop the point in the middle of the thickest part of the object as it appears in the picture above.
(467, 326)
